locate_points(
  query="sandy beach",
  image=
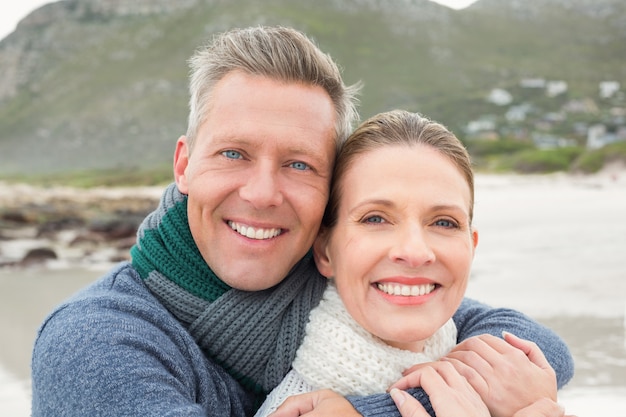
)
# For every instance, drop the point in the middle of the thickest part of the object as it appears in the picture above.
(552, 246)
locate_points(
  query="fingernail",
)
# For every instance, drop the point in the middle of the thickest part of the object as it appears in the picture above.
(397, 396)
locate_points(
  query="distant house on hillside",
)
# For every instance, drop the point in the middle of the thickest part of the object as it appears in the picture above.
(608, 88)
(518, 113)
(619, 115)
(580, 128)
(598, 136)
(484, 128)
(554, 117)
(583, 106)
(555, 88)
(547, 141)
(533, 83)
(500, 97)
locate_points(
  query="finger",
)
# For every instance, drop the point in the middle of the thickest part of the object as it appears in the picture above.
(447, 377)
(411, 380)
(294, 406)
(465, 361)
(529, 348)
(450, 393)
(443, 373)
(438, 377)
(495, 352)
(407, 405)
(481, 351)
(416, 377)
(485, 342)
(415, 367)
(470, 375)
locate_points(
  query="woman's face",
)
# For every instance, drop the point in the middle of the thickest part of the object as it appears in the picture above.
(402, 247)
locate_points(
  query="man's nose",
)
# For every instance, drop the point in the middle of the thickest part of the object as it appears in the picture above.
(262, 188)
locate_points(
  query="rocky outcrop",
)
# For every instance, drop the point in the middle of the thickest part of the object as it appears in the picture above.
(70, 226)
(37, 256)
(46, 33)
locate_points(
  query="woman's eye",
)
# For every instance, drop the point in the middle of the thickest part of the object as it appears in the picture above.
(448, 224)
(374, 219)
(300, 166)
(232, 154)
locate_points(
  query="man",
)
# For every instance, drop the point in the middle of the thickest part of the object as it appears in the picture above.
(208, 316)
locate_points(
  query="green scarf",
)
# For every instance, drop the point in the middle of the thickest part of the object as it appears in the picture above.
(253, 335)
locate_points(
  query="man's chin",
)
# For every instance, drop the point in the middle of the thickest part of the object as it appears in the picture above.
(254, 281)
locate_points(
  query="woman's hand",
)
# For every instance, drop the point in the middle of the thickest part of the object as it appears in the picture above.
(450, 394)
(542, 408)
(509, 374)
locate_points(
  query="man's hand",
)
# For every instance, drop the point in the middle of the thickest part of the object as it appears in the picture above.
(509, 374)
(322, 403)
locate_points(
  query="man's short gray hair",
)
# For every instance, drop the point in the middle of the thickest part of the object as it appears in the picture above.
(280, 53)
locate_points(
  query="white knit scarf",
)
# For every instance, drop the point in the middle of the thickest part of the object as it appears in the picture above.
(338, 354)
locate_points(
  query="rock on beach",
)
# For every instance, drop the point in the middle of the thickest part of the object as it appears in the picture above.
(68, 225)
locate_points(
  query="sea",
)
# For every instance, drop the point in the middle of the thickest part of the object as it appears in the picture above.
(551, 246)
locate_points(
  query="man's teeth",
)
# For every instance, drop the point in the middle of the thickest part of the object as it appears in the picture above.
(254, 233)
(406, 290)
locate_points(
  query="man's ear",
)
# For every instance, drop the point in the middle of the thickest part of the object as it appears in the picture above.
(181, 161)
(320, 254)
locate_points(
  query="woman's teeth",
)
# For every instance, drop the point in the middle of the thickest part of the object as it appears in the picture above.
(406, 290)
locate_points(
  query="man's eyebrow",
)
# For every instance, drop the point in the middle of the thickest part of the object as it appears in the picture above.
(315, 152)
(233, 139)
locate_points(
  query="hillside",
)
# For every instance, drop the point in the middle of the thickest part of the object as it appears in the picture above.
(101, 84)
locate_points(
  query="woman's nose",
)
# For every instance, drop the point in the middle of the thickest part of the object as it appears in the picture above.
(411, 247)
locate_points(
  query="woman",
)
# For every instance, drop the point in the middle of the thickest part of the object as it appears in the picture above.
(397, 243)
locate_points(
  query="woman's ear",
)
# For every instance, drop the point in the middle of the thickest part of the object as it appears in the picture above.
(320, 253)
(474, 240)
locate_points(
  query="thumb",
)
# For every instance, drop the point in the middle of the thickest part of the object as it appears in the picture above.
(407, 405)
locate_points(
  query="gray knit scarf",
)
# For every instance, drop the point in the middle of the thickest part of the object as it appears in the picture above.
(253, 335)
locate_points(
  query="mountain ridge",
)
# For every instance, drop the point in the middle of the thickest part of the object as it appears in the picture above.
(102, 84)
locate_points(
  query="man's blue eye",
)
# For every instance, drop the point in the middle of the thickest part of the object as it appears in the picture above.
(300, 166)
(446, 223)
(232, 154)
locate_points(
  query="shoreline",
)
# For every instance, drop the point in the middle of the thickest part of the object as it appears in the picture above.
(551, 246)
(70, 227)
(22, 192)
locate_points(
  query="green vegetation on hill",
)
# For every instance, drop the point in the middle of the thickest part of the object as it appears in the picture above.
(107, 93)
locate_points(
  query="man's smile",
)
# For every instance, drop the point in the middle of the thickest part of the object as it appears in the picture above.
(253, 232)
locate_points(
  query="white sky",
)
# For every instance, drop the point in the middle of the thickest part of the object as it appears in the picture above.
(455, 4)
(12, 11)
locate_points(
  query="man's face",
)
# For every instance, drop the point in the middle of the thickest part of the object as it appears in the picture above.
(258, 177)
